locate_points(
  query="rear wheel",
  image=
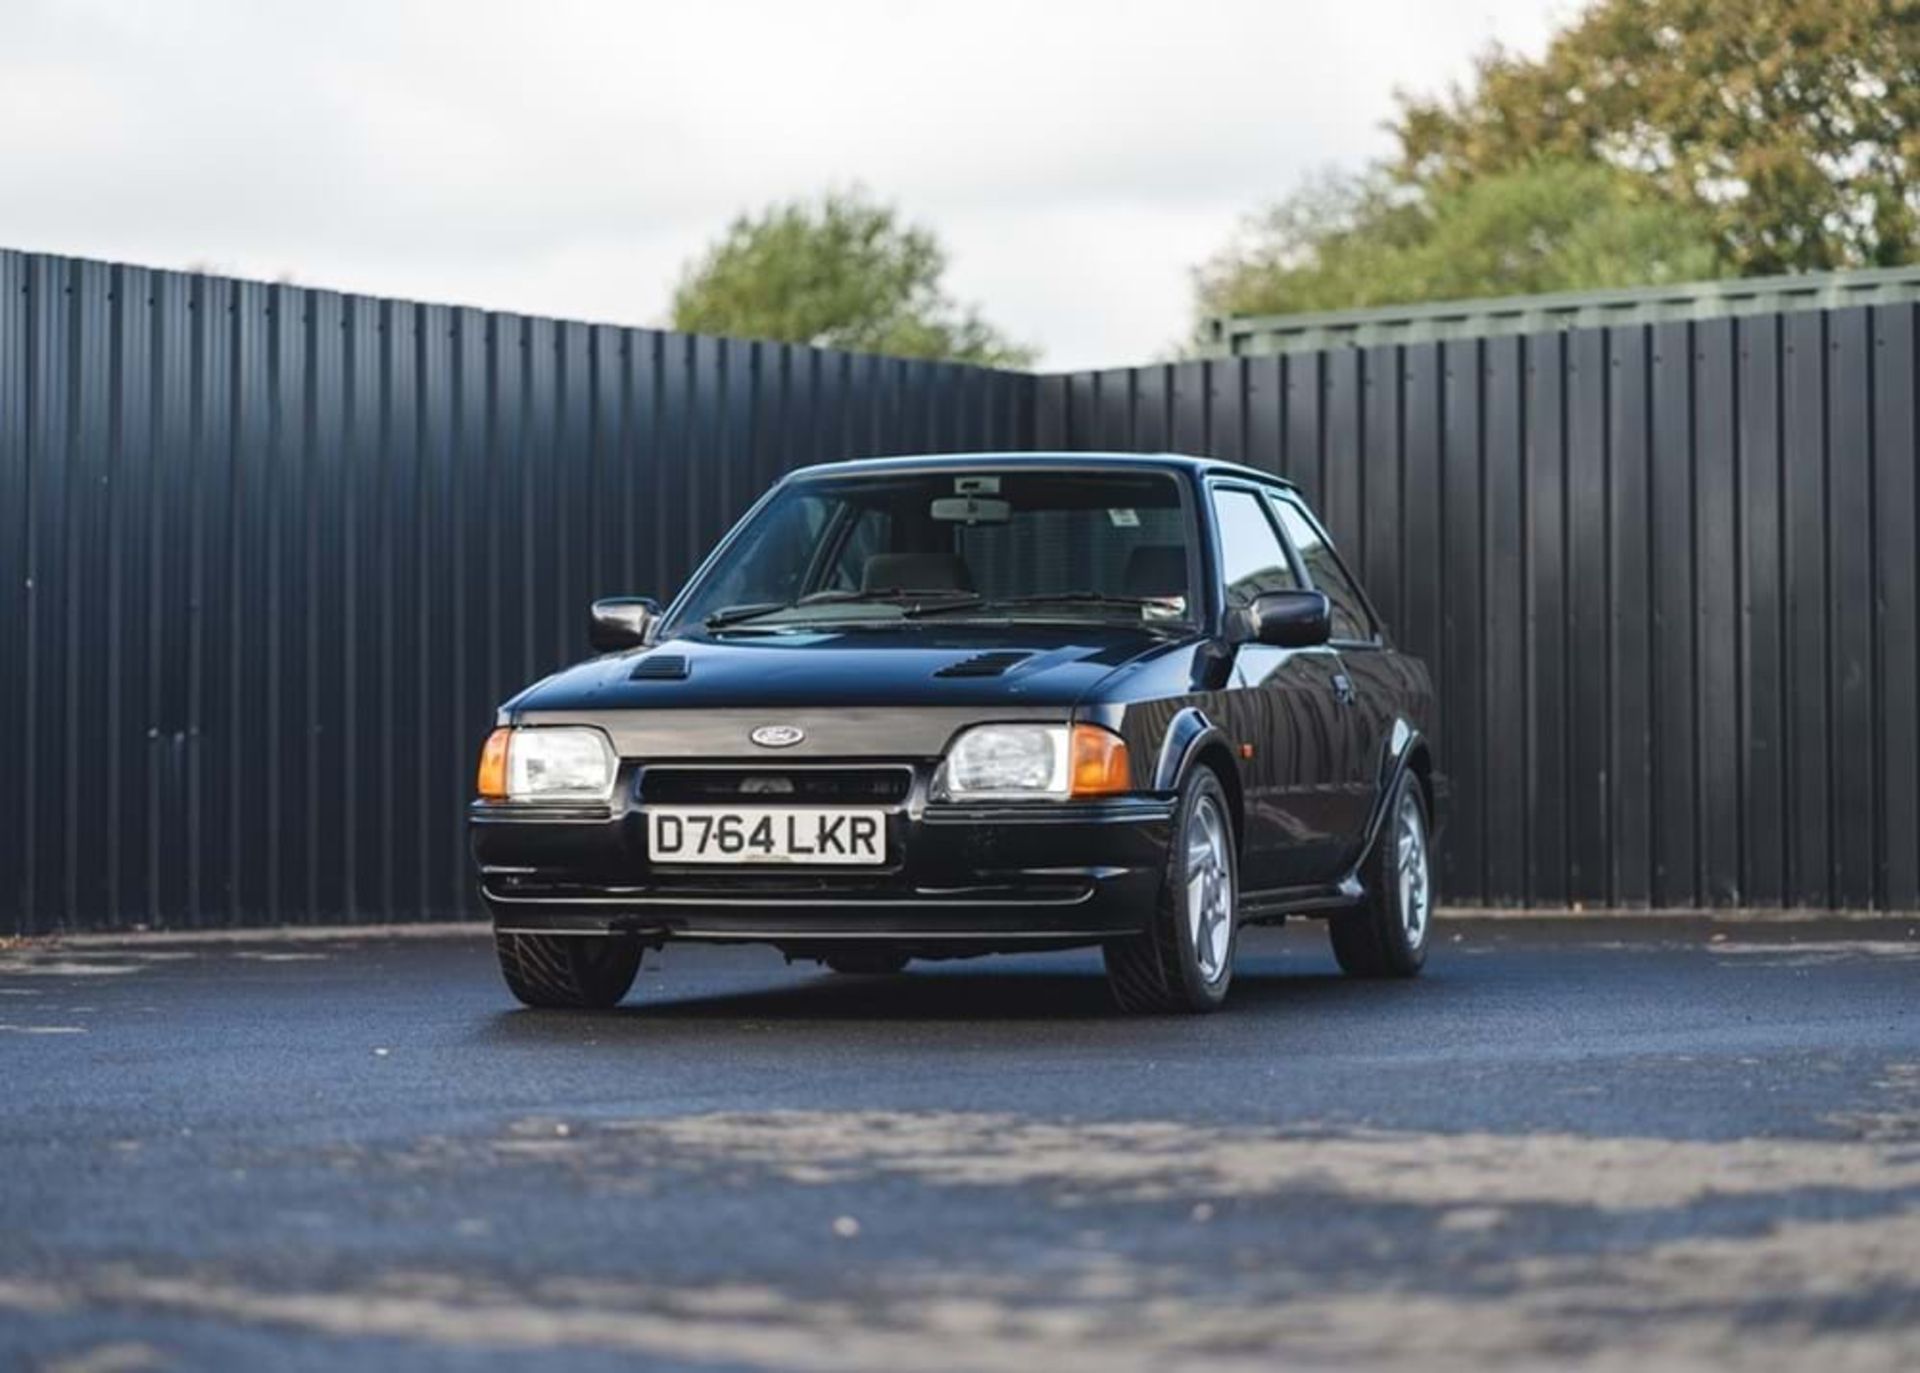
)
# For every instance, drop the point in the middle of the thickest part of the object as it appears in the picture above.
(1387, 935)
(1185, 961)
(568, 971)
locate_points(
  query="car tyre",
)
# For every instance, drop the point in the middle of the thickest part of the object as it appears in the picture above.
(1386, 935)
(866, 962)
(1184, 963)
(568, 971)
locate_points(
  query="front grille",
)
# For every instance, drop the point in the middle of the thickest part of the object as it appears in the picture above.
(774, 786)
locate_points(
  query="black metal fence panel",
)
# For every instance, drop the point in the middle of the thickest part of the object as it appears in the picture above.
(1664, 575)
(271, 556)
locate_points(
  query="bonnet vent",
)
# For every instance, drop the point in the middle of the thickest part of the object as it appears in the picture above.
(659, 667)
(984, 664)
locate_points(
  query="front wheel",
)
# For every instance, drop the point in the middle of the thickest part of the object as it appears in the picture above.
(1185, 961)
(568, 971)
(1386, 936)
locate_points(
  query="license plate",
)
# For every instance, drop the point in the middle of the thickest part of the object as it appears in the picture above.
(753, 834)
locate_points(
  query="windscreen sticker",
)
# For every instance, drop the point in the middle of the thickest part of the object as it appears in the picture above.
(976, 486)
(1124, 518)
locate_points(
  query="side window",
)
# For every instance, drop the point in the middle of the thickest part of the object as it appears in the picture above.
(1251, 559)
(868, 535)
(1350, 618)
(772, 557)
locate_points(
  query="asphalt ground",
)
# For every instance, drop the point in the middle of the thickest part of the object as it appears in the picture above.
(1633, 1143)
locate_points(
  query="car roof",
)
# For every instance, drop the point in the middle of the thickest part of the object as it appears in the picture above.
(1153, 462)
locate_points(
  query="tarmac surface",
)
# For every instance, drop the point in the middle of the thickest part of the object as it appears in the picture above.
(1639, 1143)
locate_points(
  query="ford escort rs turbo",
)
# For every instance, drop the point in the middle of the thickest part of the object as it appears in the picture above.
(932, 707)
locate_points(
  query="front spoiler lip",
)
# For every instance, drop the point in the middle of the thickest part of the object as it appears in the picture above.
(817, 935)
(1095, 914)
(1083, 905)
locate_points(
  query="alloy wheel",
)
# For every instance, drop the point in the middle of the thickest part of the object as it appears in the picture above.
(1416, 891)
(1209, 889)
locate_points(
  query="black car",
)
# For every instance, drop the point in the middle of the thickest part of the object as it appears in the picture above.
(939, 706)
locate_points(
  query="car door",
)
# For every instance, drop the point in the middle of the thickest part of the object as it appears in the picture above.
(1363, 681)
(1281, 710)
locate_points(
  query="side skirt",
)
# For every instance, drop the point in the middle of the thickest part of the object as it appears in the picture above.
(1265, 907)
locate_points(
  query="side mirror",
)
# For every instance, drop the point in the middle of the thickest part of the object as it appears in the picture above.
(622, 622)
(1292, 619)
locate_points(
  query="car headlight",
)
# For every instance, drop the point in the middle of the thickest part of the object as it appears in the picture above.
(551, 763)
(1033, 762)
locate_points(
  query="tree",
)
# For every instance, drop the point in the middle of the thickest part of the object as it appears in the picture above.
(1793, 124)
(840, 272)
(1355, 241)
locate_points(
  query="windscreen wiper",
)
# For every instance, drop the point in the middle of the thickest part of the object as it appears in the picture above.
(753, 610)
(1089, 598)
(734, 614)
(877, 595)
(1080, 597)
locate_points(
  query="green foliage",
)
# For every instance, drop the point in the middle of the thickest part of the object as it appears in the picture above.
(1352, 242)
(1793, 125)
(840, 272)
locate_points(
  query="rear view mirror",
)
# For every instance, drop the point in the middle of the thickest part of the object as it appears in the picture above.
(622, 622)
(1292, 619)
(971, 510)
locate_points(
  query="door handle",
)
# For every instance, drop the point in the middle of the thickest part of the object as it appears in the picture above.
(1343, 691)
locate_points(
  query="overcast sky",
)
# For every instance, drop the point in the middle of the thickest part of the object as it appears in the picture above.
(566, 158)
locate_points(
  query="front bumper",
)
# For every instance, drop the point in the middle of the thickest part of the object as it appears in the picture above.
(972, 875)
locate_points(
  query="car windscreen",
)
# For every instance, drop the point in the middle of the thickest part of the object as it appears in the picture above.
(994, 543)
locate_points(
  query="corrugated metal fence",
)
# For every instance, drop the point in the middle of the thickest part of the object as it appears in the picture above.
(1664, 575)
(270, 556)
